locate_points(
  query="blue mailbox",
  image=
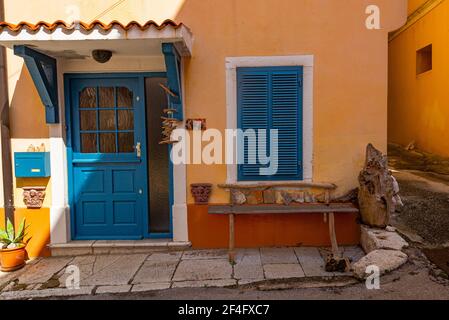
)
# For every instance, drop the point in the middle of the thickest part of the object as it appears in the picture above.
(32, 164)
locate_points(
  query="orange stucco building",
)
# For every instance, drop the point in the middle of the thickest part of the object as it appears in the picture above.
(417, 79)
(340, 94)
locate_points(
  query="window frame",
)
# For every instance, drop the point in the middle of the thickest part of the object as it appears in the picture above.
(307, 62)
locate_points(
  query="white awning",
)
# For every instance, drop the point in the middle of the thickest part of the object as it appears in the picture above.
(77, 40)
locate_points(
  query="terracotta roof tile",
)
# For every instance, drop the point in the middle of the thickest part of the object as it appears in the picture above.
(86, 26)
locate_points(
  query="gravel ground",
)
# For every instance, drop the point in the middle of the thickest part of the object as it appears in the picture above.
(426, 208)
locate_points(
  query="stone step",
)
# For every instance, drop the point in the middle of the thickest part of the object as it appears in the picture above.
(82, 248)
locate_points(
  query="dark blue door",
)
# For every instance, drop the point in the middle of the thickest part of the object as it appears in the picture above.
(109, 158)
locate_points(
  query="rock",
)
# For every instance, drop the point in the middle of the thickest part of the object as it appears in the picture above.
(279, 197)
(297, 196)
(287, 198)
(385, 260)
(375, 239)
(254, 197)
(376, 189)
(237, 197)
(390, 229)
(269, 196)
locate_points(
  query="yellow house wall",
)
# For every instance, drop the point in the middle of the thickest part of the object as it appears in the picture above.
(419, 104)
(350, 75)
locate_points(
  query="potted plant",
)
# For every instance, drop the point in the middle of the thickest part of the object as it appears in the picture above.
(12, 252)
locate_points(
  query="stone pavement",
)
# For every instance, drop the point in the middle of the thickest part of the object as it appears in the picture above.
(100, 274)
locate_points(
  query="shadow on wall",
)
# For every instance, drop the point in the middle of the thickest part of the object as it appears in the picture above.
(27, 118)
(27, 113)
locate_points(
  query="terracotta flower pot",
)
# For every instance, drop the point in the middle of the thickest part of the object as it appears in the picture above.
(201, 192)
(12, 259)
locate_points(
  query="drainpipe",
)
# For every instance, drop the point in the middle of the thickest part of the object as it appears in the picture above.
(8, 192)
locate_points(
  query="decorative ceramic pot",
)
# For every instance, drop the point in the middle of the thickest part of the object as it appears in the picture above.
(201, 192)
(12, 259)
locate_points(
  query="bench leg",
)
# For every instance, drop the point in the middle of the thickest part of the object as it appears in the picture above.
(333, 235)
(232, 238)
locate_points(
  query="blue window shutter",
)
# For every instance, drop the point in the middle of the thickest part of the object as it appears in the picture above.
(271, 98)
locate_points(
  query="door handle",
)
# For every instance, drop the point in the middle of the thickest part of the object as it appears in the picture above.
(139, 149)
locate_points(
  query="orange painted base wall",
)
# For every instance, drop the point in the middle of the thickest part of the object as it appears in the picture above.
(38, 230)
(212, 231)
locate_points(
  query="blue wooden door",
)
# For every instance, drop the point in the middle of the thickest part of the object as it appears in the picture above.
(108, 158)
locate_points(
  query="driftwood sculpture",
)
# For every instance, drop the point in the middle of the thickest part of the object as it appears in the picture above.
(377, 190)
(169, 123)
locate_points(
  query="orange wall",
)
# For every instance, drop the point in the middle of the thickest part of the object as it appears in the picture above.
(419, 104)
(415, 4)
(38, 232)
(350, 77)
(212, 231)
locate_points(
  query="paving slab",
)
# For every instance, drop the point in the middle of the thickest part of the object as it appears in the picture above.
(107, 270)
(312, 262)
(150, 287)
(243, 282)
(47, 293)
(278, 255)
(248, 265)
(283, 271)
(7, 277)
(205, 284)
(44, 270)
(354, 253)
(113, 289)
(205, 254)
(193, 270)
(165, 257)
(155, 272)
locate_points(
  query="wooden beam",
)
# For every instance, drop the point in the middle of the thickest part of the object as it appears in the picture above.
(232, 238)
(43, 71)
(333, 235)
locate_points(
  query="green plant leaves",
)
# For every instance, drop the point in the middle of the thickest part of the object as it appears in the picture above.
(9, 235)
(10, 230)
(20, 232)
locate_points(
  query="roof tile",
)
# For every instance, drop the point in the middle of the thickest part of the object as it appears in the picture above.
(86, 26)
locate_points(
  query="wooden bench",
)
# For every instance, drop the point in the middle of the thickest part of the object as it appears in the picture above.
(327, 208)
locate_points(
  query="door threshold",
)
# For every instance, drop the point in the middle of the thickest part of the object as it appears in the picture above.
(94, 247)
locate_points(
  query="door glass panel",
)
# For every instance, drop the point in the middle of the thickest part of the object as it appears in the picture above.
(88, 120)
(89, 143)
(107, 97)
(125, 119)
(126, 142)
(88, 98)
(107, 120)
(124, 98)
(111, 121)
(107, 143)
(158, 159)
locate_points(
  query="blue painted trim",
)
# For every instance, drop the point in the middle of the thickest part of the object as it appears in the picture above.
(70, 154)
(47, 88)
(173, 65)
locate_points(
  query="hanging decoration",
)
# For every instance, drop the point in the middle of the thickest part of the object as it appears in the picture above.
(169, 122)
